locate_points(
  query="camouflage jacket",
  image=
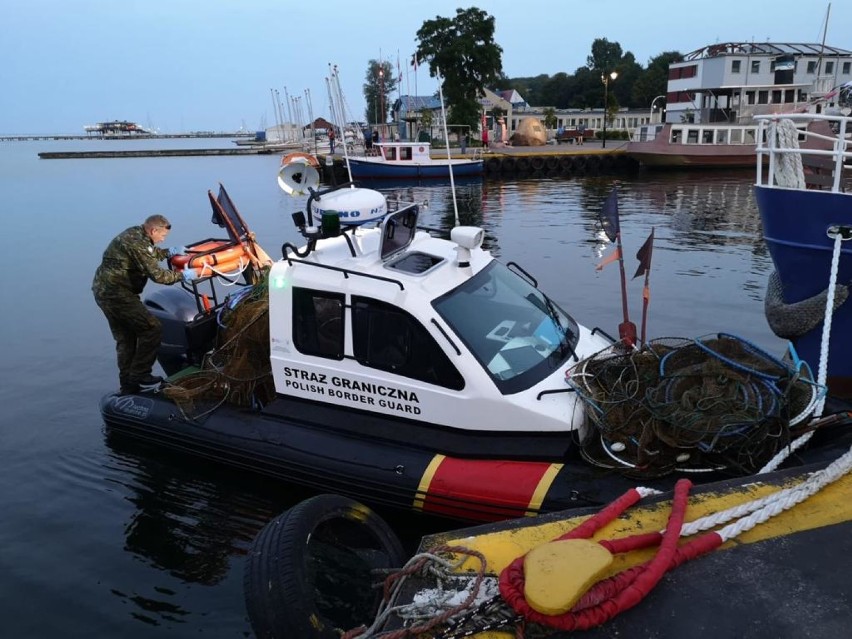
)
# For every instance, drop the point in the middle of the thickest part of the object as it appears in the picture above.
(130, 260)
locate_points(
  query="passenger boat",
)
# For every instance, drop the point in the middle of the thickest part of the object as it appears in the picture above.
(714, 94)
(804, 197)
(693, 145)
(407, 160)
(385, 362)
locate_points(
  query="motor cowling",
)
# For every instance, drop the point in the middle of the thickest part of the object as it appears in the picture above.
(187, 334)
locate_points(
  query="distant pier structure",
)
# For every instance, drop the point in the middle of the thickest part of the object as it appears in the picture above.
(117, 128)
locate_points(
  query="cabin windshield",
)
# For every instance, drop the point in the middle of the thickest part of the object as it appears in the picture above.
(514, 330)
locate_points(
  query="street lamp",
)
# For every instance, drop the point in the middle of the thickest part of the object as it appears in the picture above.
(605, 79)
(653, 102)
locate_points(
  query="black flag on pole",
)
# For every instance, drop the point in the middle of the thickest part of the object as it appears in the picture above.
(609, 216)
(644, 256)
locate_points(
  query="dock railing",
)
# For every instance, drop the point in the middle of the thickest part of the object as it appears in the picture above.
(820, 149)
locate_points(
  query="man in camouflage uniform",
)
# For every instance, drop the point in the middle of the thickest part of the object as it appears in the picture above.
(130, 260)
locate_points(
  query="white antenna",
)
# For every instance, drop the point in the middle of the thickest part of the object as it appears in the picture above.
(447, 139)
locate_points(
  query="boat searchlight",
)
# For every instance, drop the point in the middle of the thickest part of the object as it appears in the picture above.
(467, 238)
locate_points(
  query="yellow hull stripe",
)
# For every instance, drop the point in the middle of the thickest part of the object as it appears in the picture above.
(544, 485)
(426, 481)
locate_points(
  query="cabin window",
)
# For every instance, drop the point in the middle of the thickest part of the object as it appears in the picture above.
(736, 136)
(318, 325)
(776, 96)
(735, 66)
(749, 136)
(405, 153)
(676, 136)
(707, 136)
(692, 136)
(763, 97)
(722, 136)
(749, 97)
(811, 66)
(755, 66)
(829, 67)
(847, 67)
(390, 152)
(517, 334)
(387, 338)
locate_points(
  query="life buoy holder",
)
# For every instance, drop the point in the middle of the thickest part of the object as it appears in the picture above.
(304, 158)
(421, 149)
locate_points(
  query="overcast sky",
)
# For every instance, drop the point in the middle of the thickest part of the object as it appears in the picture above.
(184, 65)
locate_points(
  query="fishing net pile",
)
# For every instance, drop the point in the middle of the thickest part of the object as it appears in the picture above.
(715, 403)
(237, 370)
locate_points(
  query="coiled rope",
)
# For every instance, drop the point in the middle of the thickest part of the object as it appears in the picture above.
(788, 169)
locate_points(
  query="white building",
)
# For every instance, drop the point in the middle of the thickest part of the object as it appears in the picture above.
(734, 81)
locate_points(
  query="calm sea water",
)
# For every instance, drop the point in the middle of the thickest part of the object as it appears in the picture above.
(102, 539)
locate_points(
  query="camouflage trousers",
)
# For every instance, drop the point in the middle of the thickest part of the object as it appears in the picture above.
(137, 335)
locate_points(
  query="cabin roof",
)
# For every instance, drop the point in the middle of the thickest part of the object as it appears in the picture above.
(765, 48)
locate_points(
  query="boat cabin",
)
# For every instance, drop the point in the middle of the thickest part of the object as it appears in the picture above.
(403, 152)
(393, 321)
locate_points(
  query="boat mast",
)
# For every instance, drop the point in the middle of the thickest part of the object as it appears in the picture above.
(447, 139)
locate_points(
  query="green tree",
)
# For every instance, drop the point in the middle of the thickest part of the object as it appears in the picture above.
(379, 83)
(655, 79)
(550, 118)
(605, 56)
(463, 50)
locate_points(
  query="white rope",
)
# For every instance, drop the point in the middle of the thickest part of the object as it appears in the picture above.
(763, 508)
(788, 166)
(822, 374)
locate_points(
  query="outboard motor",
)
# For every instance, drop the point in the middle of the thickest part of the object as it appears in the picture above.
(188, 334)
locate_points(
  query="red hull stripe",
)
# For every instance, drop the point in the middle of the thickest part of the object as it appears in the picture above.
(484, 490)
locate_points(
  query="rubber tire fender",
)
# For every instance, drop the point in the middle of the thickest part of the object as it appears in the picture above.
(276, 583)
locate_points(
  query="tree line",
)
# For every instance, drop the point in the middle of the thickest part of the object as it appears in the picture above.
(463, 52)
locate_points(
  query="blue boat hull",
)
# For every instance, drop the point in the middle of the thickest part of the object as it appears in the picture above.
(794, 228)
(374, 170)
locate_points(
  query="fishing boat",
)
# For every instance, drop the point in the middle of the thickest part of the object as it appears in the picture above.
(410, 160)
(804, 197)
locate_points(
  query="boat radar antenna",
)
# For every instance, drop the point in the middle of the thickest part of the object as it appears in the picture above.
(447, 139)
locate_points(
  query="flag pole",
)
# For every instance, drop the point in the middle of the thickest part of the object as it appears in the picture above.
(644, 256)
(627, 329)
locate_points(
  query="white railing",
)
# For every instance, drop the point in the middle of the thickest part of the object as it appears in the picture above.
(820, 136)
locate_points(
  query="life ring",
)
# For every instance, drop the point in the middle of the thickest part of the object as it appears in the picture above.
(228, 269)
(552, 163)
(213, 257)
(281, 579)
(212, 252)
(421, 149)
(304, 158)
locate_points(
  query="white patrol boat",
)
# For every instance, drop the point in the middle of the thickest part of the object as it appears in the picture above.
(379, 361)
